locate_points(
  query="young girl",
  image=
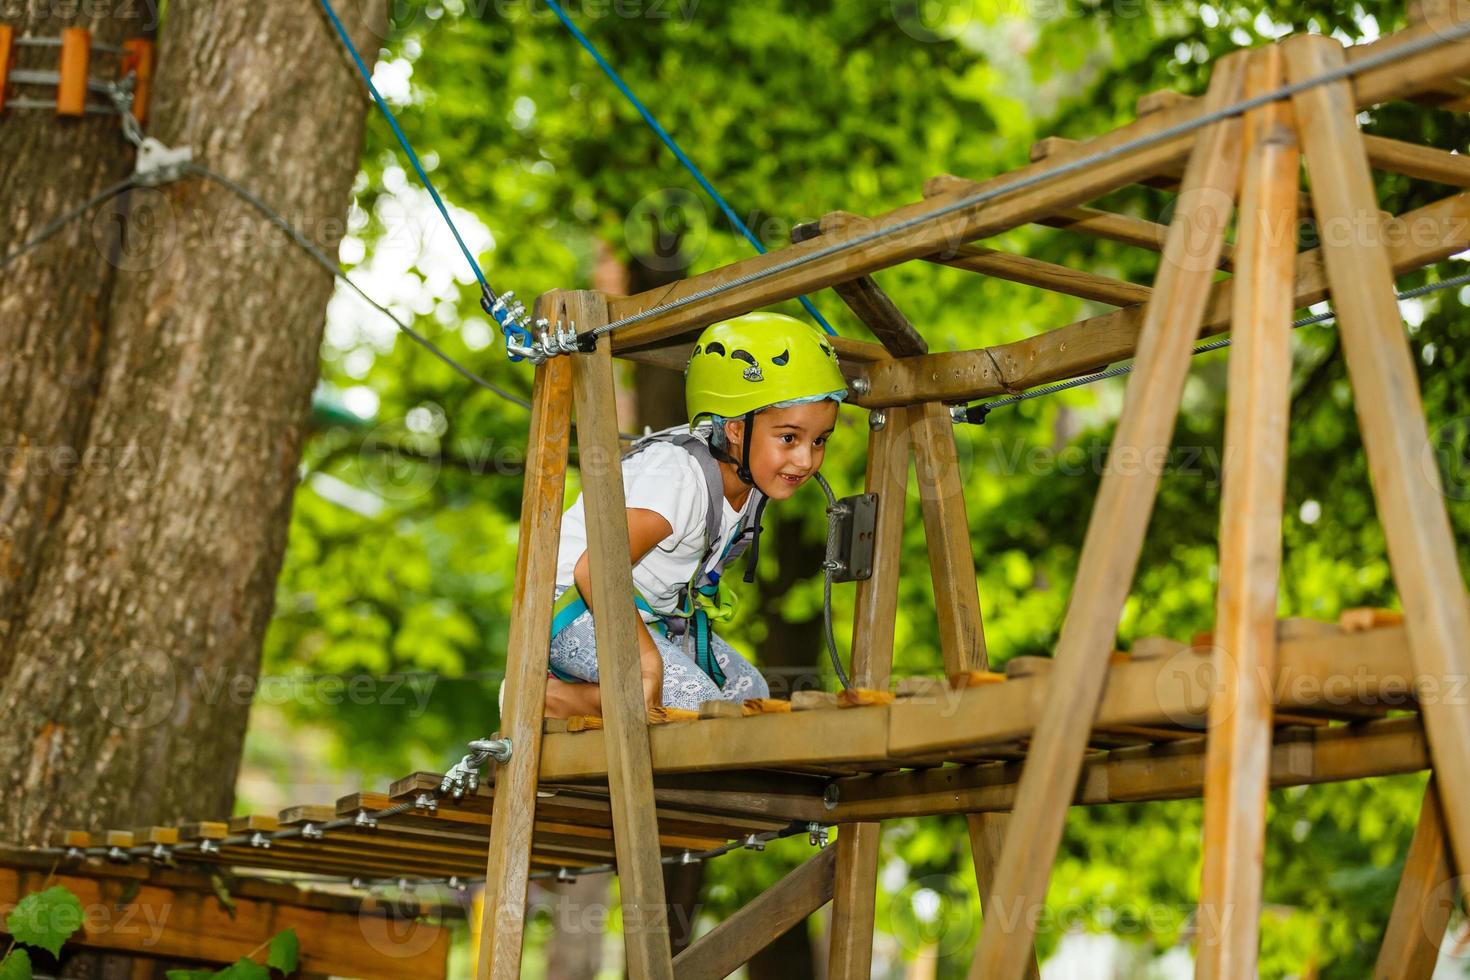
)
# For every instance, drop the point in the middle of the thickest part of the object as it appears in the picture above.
(762, 393)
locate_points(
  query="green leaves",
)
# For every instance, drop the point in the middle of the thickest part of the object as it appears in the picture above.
(45, 919)
(16, 966)
(284, 952)
(282, 957)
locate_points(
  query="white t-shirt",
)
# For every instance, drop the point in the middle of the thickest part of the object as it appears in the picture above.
(669, 481)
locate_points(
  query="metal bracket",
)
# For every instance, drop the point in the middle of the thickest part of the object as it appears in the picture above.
(816, 834)
(464, 776)
(857, 520)
(160, 164)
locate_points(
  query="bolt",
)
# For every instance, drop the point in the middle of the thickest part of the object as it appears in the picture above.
(877, 420)
(860, 386)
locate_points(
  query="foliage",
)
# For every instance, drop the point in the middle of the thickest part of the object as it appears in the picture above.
(794, 109)
(282, 956)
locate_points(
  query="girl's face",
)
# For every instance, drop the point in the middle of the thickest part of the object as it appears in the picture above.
(787, 446)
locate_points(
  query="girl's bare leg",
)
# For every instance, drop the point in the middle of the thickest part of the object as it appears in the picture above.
(564, 699)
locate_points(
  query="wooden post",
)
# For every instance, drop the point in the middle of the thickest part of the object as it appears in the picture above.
(616, 621)
(503, 905)
(956, 594)
(851, 950)
(1423, 902)
(1114, 538)
(1237, 763)
(1406, 484)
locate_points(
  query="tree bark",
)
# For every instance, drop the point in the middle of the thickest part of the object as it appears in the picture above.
(146, 581)
(53, 307)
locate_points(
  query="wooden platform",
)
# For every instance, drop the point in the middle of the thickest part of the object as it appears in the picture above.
(1344, 711)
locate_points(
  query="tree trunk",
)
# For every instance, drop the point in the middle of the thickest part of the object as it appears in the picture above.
(53, 307)
(140, 591)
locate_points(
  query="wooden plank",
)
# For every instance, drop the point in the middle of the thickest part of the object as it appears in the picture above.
(872, 305)
(1423, 902)
(1414, 239)
(1114, 536)
(1258, 403)
(626, 734)
(143, 917)
(1175, 770)
(502, 927)
(1411, 503)
(766, 918)
(1373, 667)
(850, 951)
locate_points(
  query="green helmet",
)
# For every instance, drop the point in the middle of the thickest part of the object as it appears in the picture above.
(758, 360)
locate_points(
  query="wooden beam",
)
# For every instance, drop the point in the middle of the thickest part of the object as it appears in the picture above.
(1114, 537)
(502, 928)
(1122, 228)
(766, 918)
(625, 730)
(1423, 902)
(1411, 502)
(976, 221)
(872, 305)
(1020, 269)
(850, 955)
(1046, 275)
(1258, 403)
(1413, 240)
(1170, 771)
(956, 593)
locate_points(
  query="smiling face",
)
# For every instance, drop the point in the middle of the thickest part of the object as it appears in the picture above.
(788, 445)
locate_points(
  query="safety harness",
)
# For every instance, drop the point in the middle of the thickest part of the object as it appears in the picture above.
(699, 601)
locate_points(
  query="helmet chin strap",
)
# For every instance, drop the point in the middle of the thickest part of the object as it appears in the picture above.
(742, 465)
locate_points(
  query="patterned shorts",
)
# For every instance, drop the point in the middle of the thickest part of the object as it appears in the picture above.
(574, 652)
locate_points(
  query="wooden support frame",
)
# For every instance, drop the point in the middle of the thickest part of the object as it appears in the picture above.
(1423, 902)
(855, 890)
(765, 919)
(1238, 761)
(630, 771)
(1413, 240)
(527, 652)
(1411, 502)
(1114, 536)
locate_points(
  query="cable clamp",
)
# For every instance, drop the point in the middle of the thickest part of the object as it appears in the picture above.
(75, 854)
(208, 846)
(565, 876)
(118, 854)
(364, 819)
(816, 834)
(311, 831)
(160, 852)
(160, 164)
(753, 842)
(259, 839)
(426, 801)
(969, 414)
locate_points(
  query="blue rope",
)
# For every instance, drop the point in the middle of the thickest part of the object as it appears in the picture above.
(503, 316)
(674, 147)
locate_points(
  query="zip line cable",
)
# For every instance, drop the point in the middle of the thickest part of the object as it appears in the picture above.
(674, 148)
(1427, 42)
(506, 313)
(321, 259)
(976, 414)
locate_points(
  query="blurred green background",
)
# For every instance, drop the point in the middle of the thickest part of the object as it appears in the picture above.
(403, 537)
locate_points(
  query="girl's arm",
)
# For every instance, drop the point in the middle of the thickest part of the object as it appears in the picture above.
(646, 528)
